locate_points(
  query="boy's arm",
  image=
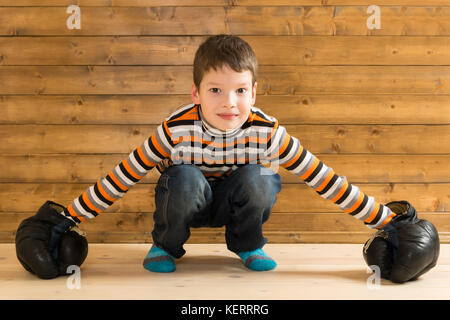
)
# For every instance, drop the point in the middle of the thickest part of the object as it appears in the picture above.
(107, 190)
(403, 248)
(291, 155)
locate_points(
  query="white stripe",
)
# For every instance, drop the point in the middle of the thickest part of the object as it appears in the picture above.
(113, 190)
(366, 209)
(350, 197)
(81, 209)
(275, 142)
(141, 170)
(333, 188)
(294, 149)
(319, 175)
(120, 174)
(163, 139)
(150, 154)
(102, 206)
(180, 109)
(384, 215)
(185, 130)
(303, 163)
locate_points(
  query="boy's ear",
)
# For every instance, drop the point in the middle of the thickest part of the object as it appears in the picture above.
(254, 93)
(195, 94)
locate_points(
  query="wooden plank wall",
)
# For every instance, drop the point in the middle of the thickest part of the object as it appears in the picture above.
(373, 104)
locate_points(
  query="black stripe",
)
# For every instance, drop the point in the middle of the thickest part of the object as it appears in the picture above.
(180, 122)
(154, 150)
(262, 123)
(288, 148)
(362, 205)
(315, 172)
(85, 207)
(378, 216)
(246, 125)
(125, 172)
(67, 214)
(114, 184)
(299, 160)
(139, 160)
(166, 134)
(100, 196)
(345, 195)
(260, 114)
(329, 185)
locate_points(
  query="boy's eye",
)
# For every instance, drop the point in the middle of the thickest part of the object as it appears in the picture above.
(242, 90)
(215, 90)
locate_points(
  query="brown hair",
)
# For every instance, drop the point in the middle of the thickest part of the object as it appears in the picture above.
(222, 49)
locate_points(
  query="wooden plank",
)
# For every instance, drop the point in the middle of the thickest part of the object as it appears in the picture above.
(180, 50)
(213, 273)
(271, 80)
(342, 139)
(249, 20)
(193, 3)
(76, 168)
(294, 109)
(198, 236)
(281, 222)
(28, 197)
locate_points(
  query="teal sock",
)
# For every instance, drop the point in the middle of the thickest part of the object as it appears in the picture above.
(158, 260)
(257, 260)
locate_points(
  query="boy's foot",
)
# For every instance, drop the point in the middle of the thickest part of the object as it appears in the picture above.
(257, 260)
(158, 260)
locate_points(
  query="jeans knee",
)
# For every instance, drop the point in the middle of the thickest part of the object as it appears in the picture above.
(187, 183)
(258, 186)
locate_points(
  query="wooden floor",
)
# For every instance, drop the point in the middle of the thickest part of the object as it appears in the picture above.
(210, 272)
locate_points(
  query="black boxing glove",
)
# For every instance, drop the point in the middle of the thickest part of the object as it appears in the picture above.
(47, 243)
(405, 248)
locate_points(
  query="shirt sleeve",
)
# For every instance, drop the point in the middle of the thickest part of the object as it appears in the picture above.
(288, 153)
(108, 189)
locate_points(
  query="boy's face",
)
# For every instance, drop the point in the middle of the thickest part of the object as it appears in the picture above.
(225, 97)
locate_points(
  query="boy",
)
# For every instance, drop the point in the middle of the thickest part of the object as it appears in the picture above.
(210, 154)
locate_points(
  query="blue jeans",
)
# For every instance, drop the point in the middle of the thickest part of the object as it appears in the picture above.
(241, 202)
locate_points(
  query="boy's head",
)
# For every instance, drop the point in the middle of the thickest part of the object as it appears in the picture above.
(225, 71)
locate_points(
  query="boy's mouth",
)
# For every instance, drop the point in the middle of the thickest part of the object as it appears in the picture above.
(227, 116)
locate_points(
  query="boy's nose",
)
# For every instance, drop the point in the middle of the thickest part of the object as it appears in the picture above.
(230, 100)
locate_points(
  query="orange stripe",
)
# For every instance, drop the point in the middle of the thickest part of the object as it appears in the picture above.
(89, 204)
(357, 203)
(310, 170)
(166, 129)
(261, 119)
(191, 115)
(158, 147)
(373, 214)
(325, 182)
(113, 177)
(74, 214)
(285, 144)
(144, 158)
(104, 193)
(341, 192)
(388, 219)
(130, 171)
(212, 174)
(287, 164)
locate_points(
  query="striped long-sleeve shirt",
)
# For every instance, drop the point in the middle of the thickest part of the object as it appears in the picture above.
(185, 137)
